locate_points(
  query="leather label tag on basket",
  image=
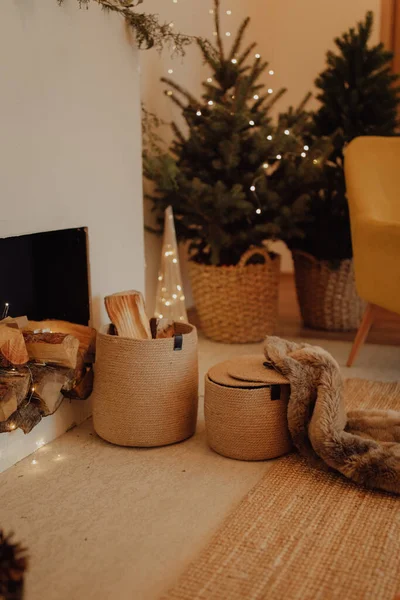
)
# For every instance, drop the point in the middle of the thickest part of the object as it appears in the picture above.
(178, 341)
(275, 392)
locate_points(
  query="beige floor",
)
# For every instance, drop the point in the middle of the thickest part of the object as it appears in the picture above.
(103, 522)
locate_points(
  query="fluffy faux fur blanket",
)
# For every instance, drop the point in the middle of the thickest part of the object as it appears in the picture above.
(364, 445)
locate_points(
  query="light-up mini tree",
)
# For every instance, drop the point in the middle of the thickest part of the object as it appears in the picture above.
(170, 300)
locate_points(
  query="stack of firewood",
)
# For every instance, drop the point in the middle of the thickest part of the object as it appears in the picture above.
(41, 362)
(129, 319)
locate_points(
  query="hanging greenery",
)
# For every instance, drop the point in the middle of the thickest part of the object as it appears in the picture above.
(149, 31)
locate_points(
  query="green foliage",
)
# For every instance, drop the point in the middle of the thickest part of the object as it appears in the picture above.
(358, 97)
(222, 176)
(149, 32)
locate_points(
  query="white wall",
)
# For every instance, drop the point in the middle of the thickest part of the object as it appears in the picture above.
(70, 151)
(293, 36)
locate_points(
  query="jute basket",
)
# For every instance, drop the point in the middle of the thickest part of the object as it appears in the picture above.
(237, 304)
(245, 408)
(146, 391)
(327, 297)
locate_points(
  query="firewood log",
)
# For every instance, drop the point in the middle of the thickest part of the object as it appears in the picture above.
(16, 322)
(8, 402)
(25, 418)
(127, 313)
(165, 328)
(82, 388)
(47, 384)
(85, 335)
(18, 381)
(54, 348)
(12, 347)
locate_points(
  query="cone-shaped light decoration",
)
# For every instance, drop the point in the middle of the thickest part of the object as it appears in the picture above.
(170, 299)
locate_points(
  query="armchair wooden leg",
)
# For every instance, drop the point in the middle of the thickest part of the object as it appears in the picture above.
(363, 330)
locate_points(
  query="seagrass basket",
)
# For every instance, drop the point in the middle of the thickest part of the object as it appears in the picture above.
(327, 297)
(245, 408)
(237, 304)
(146, 391)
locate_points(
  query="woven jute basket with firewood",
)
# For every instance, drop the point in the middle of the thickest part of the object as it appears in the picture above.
(237, 304)
(146, 391)
(327, 296)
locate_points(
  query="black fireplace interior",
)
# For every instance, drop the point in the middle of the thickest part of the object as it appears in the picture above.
(45, 276)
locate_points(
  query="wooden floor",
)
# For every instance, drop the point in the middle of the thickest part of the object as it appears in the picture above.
(386, 329)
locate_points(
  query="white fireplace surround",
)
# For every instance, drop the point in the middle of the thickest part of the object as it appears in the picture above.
(70, 154)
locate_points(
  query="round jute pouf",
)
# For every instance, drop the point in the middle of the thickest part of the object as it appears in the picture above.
(146, 391)
(246, 409)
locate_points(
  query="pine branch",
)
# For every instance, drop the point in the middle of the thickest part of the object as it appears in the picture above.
(239, 38)
(218, 29)
(178, 88)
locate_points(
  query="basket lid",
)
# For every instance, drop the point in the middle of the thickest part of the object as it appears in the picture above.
(246, 371)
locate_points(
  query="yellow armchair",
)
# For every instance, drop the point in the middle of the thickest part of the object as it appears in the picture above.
(372, 171)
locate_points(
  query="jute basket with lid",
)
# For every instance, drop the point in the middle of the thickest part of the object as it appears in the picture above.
(327, 297)
(146, 391)
(237, 304)
(246, 409)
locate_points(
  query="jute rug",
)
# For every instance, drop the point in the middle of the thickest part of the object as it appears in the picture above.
(303, 534)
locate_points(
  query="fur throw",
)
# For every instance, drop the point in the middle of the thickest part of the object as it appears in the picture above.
(363, 445)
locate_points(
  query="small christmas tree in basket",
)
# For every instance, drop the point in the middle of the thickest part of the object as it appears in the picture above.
(218, 180)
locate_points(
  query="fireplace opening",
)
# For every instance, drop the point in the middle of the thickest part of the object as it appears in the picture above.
(45, 276)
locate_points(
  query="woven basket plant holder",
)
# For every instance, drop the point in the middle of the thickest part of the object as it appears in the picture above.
(237, 304)
(327, 297)
(245, 408)
(146, 391)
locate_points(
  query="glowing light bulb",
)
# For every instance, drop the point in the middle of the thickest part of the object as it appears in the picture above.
(271, 72)
(169, 93)
(181, 318)
(11, 426)
(175, 1)
(160, 278)
(257, 55)
(33, 388)
(215, 33)
(256, 97)
(171, 25)
(182, 297)
(34, 462)
(198, 113)
(170, 71)
(315, 161)
(175, 260)
(286, 132)
(306, 147)
(303, 155)
(269, 137)
(265, 165)
(278, 156)
(251, 123)
(160, 316)
(179, 287)
(258, 211)
(270, 91)
(6, 304)
(253, 188)
(228, 12)
(40, 443)
(211, 11)
(174, 296)
(234, 61)
(210, 102)
(228, 34)
(168, 303)
(209, 80)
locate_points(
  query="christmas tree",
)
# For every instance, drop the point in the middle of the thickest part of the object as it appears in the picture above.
(358, 97)
(221, 177)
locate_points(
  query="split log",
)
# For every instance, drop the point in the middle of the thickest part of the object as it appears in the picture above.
(83, 388)
(165, 328)
(127, 313)
(16, 322)
(25, 418)
(54, 348)
(46, 388)
(8, 402)
(85, 335)
(18, 381)
(12, 347)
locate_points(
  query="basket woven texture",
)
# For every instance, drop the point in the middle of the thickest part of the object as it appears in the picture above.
(327, 297)
(145, 392)
(237, 304)
(245, 423)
